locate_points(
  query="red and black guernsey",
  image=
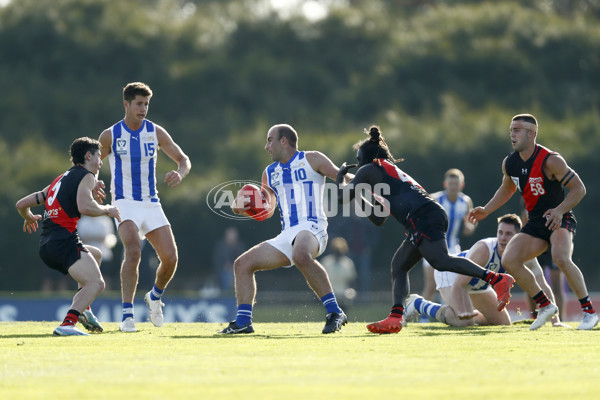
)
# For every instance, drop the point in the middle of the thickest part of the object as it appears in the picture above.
(62, 214)
(406, 195)
(539, 192)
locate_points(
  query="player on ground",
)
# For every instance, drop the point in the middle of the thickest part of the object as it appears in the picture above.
(457, 206)
(295, 182)
(425, 220)
(132, 148)
(540, 175)
(66, 199)
(471, 301)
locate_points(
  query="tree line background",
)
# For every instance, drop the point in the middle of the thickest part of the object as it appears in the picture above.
(441, 78)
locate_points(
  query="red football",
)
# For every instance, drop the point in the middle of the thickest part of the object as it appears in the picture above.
(255, 202)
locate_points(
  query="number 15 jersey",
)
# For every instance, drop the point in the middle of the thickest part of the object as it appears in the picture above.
(539, 192)
(132, 161)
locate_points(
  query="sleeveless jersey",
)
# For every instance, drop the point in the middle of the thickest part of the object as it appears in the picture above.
(539, 192)
(456, 216)
(405, 195)
(494, 262)
(133, 162)
(299, 190)
(61, 214)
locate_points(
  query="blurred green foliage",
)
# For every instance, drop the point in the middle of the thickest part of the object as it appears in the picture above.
(441, 78)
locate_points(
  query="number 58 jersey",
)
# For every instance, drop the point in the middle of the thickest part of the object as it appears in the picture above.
(539, 192)
(133, 162)
(299, 190)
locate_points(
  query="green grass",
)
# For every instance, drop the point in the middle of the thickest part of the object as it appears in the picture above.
(295, 361)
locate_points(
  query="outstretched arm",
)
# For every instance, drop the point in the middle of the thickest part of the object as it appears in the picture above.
(323, 165)
(346, 193)
(502, 195)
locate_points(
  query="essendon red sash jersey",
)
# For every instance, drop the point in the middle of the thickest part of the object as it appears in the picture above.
(61, 214)
(539, 192)
(405, 194)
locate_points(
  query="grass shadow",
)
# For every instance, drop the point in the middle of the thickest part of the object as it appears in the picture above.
(26, 335)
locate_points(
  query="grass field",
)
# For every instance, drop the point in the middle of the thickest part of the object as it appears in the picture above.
(295, 361)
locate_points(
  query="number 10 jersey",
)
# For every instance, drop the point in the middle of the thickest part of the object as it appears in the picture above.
(299, 190)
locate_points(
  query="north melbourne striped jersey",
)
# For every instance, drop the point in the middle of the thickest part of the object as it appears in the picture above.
(133, 162)
(299, 190)
(494, 262)
(456, 216)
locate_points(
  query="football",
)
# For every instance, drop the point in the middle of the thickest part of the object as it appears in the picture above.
(257, 206)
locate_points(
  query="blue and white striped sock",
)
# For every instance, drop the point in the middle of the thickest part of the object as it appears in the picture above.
(427, 307)
(244, 314)
(331, 304)
(156, 293)
(127, 310)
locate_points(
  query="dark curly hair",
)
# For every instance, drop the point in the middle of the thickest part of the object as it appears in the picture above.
(375, 146)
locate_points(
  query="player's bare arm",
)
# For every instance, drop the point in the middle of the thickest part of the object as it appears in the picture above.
(468, 227)
(322, 164)
(556, 168)
(503, 194)
(463, 306)
(174, 152)
(24, 207)
(460, 301)
(105, 140)
(87, 205)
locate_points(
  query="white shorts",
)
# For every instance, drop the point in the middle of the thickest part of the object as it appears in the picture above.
(146, 216)
(283, 241)
(446, 279)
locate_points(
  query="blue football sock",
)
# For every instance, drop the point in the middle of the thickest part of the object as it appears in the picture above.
(427, 307)
(244, 314)
(127, 310)
(156, 293)
(331, 304)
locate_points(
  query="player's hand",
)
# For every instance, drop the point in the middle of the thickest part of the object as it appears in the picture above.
(113, 212)
(173, 178)
(241, 203)
(343, 171)
(467, 315)
(477, 214)
(98, 192)
(30, 224)
(553, 219)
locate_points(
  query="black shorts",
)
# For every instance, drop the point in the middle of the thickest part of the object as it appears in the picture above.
(537, 227)
(428, 222)
(61, 254)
